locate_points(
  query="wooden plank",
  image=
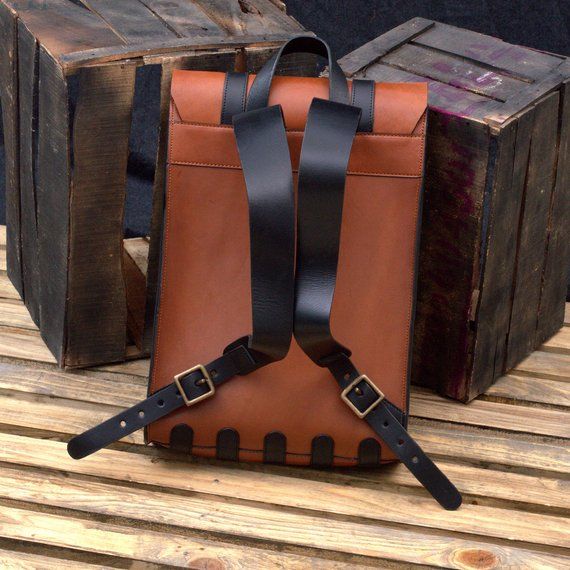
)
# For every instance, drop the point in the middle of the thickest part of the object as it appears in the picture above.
(445, 98)
(518, 61)
(545, 365)
(13, 313)
(24, 344)
(359, 59)
(63, 27)
(249, 17)
(185, 19)
(97, 311)
(3, 260)
(7, 290)
(16, 560)
(285, 526)
(131, 20)
(567, 315)
(28, 60)
(333, 492)
(532, 233)
(560, 342)
(135, 291)
(137, 249)
(457, 155)
(502, 210)
(468, 444)
(71, 62)
(539, 421)
(513, 388)
(52, 193)
(11, 133)
(163, 548)
(454, 70)
(555, 273)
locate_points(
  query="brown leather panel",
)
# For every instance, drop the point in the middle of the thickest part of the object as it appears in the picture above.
(205, 297)
(198, 99)
(380, 155)
(205, 304)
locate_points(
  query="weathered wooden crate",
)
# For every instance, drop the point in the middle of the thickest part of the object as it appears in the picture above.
(69, 72)
(496, 229)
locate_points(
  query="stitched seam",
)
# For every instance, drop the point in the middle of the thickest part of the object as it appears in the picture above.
(411, 274)
(244, 91)
(225, 103)
(358, 134)
(371, 109)
(350, 172)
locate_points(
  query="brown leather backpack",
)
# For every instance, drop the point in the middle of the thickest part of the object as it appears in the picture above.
(246, 268)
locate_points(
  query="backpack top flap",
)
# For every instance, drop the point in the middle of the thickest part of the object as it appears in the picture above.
(205, 286)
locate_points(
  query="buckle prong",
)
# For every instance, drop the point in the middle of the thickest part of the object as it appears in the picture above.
(205, 379)
(353, 386)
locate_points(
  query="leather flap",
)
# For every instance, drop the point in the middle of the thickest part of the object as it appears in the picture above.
(197, 98)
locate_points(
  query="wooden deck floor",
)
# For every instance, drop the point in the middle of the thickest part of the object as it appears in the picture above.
(137, 507)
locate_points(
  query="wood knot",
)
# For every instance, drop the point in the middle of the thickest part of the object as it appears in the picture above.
(207, 564)
(475, 558)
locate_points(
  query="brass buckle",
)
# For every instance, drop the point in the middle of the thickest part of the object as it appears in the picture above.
(362, 378)
(191, 401)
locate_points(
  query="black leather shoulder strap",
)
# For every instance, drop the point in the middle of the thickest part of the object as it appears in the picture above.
(325, 153)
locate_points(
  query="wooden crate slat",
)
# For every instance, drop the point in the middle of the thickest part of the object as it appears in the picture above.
(97, 311)
(199, 513)
(24, 345)
(440, 95)
(555, 273)
(7, 289)
(154, 547)
(334, 493)
(519, 61)
(185, 18)
(539, 421)
(28, 62)
(16, 560)
(485, 446)
(11, 133)
(131, 20)
(13, 313)
(567, 314)
(532, 233)
(454, 70)
(248, 17)
(62, 26)
(560, 342)
(507, 186)
(530, 389)
(3, 260)
(52, 193)
(545, 365)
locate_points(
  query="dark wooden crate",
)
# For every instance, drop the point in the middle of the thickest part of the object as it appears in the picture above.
(496, 230)
(68, 74)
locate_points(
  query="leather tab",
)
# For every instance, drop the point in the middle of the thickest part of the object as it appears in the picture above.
(369, 453)
(362, 96)
(227, 444)
(322, 451)
(182, 438)
(274, 448)
(233, 99)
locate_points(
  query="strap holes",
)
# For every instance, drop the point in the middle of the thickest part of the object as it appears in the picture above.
(123, 424)
(400, 442)
(141, 414)
(385, 424)
(213, 373)
(415, 459)
(347, 376)
(160, 403)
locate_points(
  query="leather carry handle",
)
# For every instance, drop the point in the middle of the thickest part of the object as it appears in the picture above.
(338, 87)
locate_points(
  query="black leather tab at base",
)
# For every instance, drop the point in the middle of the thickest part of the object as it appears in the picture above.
(322, 451)
(369, 453)
(227, 444)
(274, 448)
(182, 438)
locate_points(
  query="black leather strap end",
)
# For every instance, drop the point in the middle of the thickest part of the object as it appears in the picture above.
(362, 96)
(234, 96)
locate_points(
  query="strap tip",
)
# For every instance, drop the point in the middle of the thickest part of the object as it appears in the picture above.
(453, 501)
(74, 451)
